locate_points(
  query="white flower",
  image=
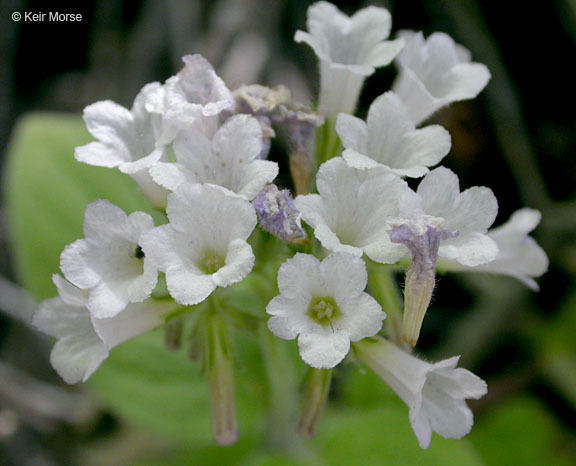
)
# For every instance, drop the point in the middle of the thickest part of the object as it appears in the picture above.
(127, 139)
(195, 96)
(109, 262)
(439, 204)
(518, 254)
(434, 393)
(436, 72)
(227, 160)
(389, 139)
(436, 221)
(84, 341)
(204, 245)
(350, 214)
(349, 49)
(324, 305)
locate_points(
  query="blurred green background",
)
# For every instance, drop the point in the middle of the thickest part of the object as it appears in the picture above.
(147, 406)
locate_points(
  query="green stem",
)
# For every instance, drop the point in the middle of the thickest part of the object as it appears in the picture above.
(282, 393)
(317, 386)
(220, 376)
(327, 143)
(385, 290)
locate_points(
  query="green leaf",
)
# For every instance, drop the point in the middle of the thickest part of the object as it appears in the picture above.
(521, 431)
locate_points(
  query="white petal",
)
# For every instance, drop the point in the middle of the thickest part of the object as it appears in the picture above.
(240, 137)
(68, 292)
(323, 350)
(331, 242)
(133, 321)
(475, 210)
(383, 53)
(353, 132)
(257, 175)
(312, 208)
(435, 73)
(169, 175)
(99, 154)
(201, 85)
(239, 263)
(101, 218)
(465, 81)
(104, 301)
(164, 247)
(439, 191)
(289, 317)
(75, 267)
(211, 214)
(295, 276)
(187, 287)
(472, 249)
(518, 255)
(427, 146)
(357, 160)
(78, 351)
(345, 275)
(385, 251)
(113, 126)
(362, 316)
(77, 357)
(422, 428)
(392, 141)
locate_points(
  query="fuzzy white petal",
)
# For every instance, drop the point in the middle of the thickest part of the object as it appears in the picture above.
(362, 317)
(472, 249)
(294, 276)
(519, 256)
(228, 160)
(436, 72)
(239, 263)
(345, 276)
(390, 139)
(323, 350)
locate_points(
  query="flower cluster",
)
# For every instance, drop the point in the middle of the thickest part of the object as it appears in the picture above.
(198, 150)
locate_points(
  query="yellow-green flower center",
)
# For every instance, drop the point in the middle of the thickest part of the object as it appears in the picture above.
(323, 310)
(211, 262)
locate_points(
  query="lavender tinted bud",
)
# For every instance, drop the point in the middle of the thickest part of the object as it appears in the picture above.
(277, 213)
(423, 239)
(300, 122)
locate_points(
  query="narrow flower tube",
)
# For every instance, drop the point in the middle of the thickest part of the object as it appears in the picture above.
(317, 387)
(423, 240)
(434, 393)
(220, 376)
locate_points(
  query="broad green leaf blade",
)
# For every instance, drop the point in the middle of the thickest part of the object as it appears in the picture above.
(522, 431)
